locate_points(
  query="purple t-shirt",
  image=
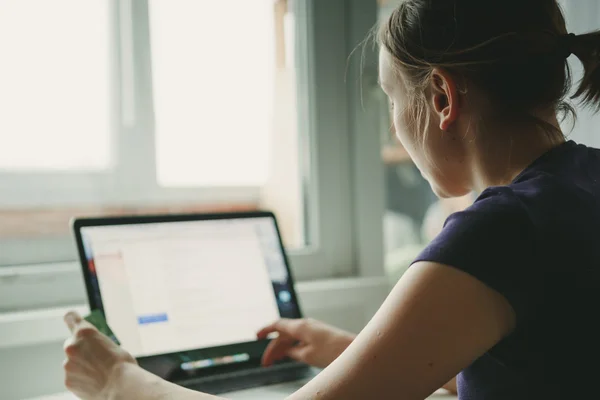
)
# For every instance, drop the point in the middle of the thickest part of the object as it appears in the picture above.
(537, 242)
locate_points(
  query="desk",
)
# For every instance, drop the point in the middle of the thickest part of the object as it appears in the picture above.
(275, 392)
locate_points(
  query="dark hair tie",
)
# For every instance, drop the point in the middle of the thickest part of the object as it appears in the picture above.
(566, 43)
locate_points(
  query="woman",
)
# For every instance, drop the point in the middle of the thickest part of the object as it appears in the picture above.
(506, 295)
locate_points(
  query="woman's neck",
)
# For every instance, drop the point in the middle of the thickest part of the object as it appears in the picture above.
(503, 154)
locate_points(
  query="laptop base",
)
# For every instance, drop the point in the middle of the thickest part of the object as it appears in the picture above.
(252, 378)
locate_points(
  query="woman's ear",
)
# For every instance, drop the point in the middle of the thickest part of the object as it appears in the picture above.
(444, 98)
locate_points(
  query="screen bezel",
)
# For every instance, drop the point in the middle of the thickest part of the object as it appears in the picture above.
(168, 365)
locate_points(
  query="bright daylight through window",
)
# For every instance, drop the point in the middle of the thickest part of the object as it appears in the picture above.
(114, 108)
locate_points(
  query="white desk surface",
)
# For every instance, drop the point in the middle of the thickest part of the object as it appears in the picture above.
(275, 392)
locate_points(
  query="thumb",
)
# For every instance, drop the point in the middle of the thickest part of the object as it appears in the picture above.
(295, 328)
(73, 320)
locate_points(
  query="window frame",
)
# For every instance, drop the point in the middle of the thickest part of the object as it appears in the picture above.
(132, 136)
(366, 100)
(343, 181)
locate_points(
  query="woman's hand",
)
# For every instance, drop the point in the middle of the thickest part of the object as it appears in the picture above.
(305, 340)
(92, 359)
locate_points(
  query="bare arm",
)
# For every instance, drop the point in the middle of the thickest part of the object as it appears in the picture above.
(132, 383)
(96, 368)
(436, 322)
(129, 378)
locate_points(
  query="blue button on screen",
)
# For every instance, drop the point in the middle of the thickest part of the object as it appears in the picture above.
(152, 319)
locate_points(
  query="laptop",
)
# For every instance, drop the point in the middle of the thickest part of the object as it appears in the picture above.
(186, 294)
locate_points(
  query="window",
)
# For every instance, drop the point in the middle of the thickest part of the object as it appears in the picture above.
(44, 61)
(213, 99)
(77, 116)
(146, 106)
(225, 108)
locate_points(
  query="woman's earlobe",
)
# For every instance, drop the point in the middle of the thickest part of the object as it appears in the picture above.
(445, 126)
(443, 110)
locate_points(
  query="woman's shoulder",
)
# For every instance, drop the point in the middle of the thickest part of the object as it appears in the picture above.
(502, 205)
(537, 192)
(497, 222)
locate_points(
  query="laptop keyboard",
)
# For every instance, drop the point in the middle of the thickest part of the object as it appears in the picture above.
(251, 378)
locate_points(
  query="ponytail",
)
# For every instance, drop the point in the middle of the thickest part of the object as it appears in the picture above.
(587, 48)
(514, 51)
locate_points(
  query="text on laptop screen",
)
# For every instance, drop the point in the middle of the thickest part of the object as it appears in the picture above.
(174, 286)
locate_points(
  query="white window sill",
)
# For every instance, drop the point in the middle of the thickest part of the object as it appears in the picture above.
(321, 299)
(28, 328)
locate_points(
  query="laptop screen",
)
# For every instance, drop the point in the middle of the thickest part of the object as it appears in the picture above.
(170, 287)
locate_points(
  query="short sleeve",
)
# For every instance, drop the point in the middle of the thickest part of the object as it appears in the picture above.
(494, 241)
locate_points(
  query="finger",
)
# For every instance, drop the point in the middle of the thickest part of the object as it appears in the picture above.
(85, 330)
(70, 347)
(76, 366)
(73, 344)
(291, 327)
(266, 331)
(72, 319)
(81, 386)
(69, 342)
(277, 350)
(268, 357)
(299, 353)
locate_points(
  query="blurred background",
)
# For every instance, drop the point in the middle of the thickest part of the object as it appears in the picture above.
(119, 107)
